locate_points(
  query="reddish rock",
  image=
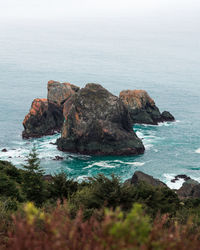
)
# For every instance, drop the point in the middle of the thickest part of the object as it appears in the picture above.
(142, 107)
(59, 92)
(46, 115)
(44, 118)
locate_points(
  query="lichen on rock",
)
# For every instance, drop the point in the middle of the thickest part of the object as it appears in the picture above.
(98, 123)
(44, 118)
(59, 92)
(46, 115)
(142, 107)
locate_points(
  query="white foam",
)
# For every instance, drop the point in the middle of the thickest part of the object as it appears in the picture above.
(82, 178)
(138, 164)
(176, 185)
(101, 164)
(197, 151)
(140, 134)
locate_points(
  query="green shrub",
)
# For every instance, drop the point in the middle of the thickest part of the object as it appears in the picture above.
(61, 187)
(34, 187)
(132, 228)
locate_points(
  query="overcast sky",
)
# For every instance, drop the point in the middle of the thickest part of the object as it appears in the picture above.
(64, 9)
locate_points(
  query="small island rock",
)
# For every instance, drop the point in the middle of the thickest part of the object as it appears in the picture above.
(4, 150)
(142, 108)
(98, 123)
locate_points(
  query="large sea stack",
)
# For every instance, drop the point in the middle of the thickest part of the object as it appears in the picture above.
(46, 115)
(142, 108)
(98, 123)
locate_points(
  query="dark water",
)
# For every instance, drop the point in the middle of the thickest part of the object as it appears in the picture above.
(119, 55)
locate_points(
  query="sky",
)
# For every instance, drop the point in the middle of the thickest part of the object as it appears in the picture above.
(65, 9)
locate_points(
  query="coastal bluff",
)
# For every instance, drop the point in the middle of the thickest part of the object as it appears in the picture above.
(91, 119)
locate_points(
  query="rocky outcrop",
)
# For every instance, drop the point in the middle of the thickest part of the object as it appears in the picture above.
(44, 118)
(140, 177)
(167, 116)
(58, 92)
(98, 123)
(189, 189)
(180, 176)
(46, 115)
(142, 108)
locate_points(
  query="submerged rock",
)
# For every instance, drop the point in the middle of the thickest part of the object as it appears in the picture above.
(139, 177)
(98, 123)
(142, 107)
(44, 118)
(58, 158)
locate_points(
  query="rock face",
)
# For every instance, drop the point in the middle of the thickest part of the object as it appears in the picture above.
(44, 118)
(189, 189)
(142, 108)
(98, 123)
(139, 177)
(46, 115)
(58, 92)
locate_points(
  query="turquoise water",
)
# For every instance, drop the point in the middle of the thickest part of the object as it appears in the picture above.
(119, 55)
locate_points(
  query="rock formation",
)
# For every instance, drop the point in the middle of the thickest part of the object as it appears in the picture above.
(98, 123)
(46, 115)
(59, 92)
(189, 189)
(142, 108)
(44, 118)
(140, 177)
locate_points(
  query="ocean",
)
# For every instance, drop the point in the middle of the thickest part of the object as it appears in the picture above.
(118, 54)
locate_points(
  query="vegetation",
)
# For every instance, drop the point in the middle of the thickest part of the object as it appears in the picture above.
(102, 213)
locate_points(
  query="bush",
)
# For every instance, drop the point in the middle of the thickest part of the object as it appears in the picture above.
(56, 230)
(61, 187)
(33, 185)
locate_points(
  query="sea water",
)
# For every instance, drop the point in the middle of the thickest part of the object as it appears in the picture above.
(119, 55)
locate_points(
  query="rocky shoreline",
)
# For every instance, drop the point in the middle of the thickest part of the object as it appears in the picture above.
(92, 120)
(189, 190)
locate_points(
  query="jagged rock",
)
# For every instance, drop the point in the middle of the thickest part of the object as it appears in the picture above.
(59, 92)
(58, 158)
(166, 116)
(98, 123)
(180, 176)
(189, 189)
(4, 150)
(139, 177)
(142, 107)
(46, 115)
(44, 118)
